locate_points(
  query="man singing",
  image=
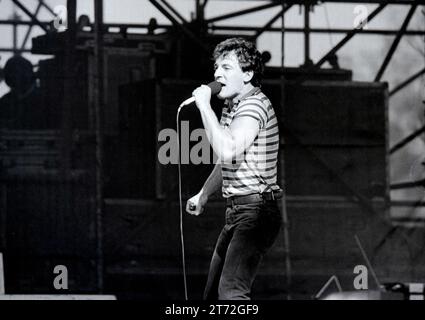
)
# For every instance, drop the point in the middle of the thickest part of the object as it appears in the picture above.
(246, 141)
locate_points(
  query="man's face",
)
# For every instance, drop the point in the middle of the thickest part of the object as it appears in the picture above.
(229, 73)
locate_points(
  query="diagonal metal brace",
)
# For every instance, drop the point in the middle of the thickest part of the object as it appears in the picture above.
(406, 140)
(29, 14)
(407, 81)
(395, 43)
(24, 42)
(185, 30)
(349, 36)
(285, 8)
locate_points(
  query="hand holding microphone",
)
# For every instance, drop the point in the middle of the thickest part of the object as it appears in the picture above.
(204, 93)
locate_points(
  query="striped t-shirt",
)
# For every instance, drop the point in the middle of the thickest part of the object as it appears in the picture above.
(256, 170)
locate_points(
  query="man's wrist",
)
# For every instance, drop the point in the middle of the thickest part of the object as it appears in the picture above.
(204, 196)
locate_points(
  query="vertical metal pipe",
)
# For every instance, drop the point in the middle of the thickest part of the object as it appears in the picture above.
(198, 9)
(24, 42)
(307, 34)
(99, 108)
(69, 88)
(282, 48)
(15, 32)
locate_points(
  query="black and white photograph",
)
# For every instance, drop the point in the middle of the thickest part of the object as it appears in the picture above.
(212, 157)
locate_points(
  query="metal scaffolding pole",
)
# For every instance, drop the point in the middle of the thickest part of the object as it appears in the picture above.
(406, 140)
(99, 109)
(267, 25)
(398, 2)
(383, 32)
(185, 30)
(171, 8)
(15, 34)
(395, 43)
(24, 42)
(13, 50)
(307, 60)
(29, 14)
(271, 21)
(349, 36)
(407, 81)
(69, 88)
(241, 12)
(408, 185)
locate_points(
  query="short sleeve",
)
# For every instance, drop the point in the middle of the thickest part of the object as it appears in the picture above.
(254, 108)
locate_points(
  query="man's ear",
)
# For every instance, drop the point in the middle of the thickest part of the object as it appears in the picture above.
(248, 76)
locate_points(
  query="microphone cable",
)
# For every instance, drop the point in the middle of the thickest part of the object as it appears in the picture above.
(181, 204)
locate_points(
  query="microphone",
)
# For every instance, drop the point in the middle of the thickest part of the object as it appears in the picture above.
(215, 89)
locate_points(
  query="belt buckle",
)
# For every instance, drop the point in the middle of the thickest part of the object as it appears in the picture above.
(273, 196)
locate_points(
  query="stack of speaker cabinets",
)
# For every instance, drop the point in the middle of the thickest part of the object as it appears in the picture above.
(334, 169)
(47, 216)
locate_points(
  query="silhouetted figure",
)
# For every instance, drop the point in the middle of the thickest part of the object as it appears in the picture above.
(83, 21)
(153, 24)
(22, 107)
(266, 56)
(333, 61)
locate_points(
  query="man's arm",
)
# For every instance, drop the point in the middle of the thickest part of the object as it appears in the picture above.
(213, 182)
(227, 143)
(196, 204)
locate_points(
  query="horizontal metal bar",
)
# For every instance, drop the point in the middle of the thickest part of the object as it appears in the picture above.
(408, 185)
(241, 12)
(386, 32)
(14, 50)
(405, 203)
(21, 22)
(401, 2)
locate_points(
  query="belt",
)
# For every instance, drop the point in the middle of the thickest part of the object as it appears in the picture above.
(252, 198)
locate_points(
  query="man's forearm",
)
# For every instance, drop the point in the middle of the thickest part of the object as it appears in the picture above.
(220, 139)
(213, 183)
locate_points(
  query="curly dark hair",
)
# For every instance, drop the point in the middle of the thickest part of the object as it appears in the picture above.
(249, 57)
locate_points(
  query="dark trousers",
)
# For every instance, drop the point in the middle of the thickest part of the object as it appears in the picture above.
(249, 232)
